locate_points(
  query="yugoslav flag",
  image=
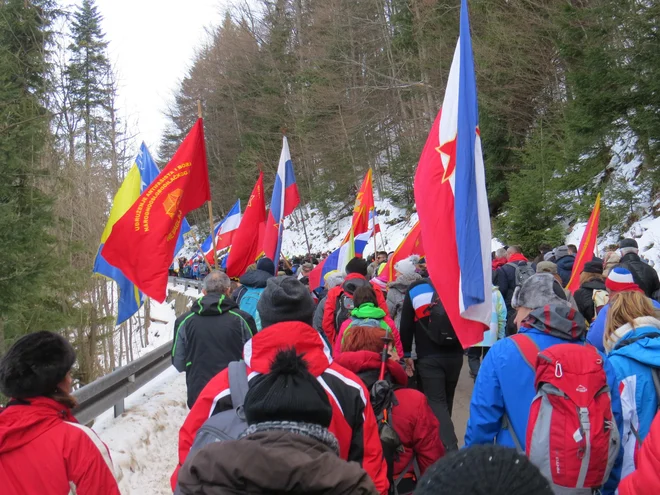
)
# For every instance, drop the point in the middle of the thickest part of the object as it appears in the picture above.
(141, 174)
(450, 193)
(224, 232)
(338, 259)
(285, 199)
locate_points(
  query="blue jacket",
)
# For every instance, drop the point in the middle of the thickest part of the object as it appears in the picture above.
(632, 364)
(597, 328)
(505, 383)
(565, 268)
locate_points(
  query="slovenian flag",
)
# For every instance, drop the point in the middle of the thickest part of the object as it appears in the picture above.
(450, 193)
(223, 231)
(285, 199)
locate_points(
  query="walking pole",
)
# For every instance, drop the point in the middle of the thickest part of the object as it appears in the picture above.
(215, 252)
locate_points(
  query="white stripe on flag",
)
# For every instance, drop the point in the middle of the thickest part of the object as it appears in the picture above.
(422, 299)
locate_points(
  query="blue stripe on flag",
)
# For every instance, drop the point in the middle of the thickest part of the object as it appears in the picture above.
(465, 190)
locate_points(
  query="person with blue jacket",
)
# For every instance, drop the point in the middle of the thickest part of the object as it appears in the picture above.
(505, 383)
(619, 280)
(632, 338)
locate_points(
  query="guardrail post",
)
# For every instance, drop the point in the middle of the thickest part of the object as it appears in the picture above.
(119, 408)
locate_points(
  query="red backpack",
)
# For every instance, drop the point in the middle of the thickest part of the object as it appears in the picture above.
(572, 435)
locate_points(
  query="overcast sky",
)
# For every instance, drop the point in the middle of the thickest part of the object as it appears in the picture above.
(152, 44)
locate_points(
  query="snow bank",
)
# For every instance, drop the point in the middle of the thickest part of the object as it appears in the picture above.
(143, 441)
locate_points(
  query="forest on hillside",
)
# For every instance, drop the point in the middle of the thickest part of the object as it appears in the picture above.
(568, 89)
(357, 83)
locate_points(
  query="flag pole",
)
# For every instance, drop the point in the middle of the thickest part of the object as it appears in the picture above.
(199, 246)
(215, 252)
(302, 215)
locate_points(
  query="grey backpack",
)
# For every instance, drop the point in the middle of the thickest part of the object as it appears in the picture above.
(227, 425)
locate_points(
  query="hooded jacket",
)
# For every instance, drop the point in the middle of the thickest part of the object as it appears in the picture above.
(505, 383)
(43, 450)
(353, 422)
(565, 268)
(331, 306)
(584, 298)
(397, 293)
(254, 279)
(412, 417)
(273, 461)
(645, 480)
(208, 338)
(635, 353)
(644, 275)
(368, 312)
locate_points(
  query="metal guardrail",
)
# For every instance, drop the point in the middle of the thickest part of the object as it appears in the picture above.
(187, 283)
(110, 390)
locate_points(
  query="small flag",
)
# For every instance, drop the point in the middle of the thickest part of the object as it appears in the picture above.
(411, 244)
(285, 199)
(587, 246)
(363, 211)
(450, 193)
(143, 241)
(224, 232)
(246, 244)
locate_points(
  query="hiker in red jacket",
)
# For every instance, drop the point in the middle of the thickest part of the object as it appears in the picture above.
(412, 417)
(645, 480)
(43, 449)
(286, 309)
(333, 316)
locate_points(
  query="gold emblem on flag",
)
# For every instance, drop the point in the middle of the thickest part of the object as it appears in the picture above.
(171, 203)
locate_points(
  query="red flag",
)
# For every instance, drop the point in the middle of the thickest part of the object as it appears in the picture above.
(142, 242)
(364, 205)
(411, 244)
(587, 246)
(246, 244)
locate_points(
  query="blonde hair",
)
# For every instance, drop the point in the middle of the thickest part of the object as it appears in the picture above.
(624, 308)
(586, 277)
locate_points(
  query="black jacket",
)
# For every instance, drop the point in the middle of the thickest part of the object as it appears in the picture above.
(584, 298)
(255, 279)
(208, 338)
(644, 275)
(417, 329)
(505, 279)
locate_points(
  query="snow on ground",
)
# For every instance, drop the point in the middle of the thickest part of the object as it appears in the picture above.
(143, 441)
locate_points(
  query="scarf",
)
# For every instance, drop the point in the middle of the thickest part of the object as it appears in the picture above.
(317, 432)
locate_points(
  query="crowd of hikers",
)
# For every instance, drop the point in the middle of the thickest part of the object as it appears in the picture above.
(349, 389)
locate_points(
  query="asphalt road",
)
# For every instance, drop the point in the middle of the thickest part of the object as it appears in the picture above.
(462, 397)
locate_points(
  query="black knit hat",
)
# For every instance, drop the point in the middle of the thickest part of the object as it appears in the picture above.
(267, 265)
(289, 392)
(593, 266)
(285, 299)
(483, 469)
(628, 243)
(35, 365)
(357, 265)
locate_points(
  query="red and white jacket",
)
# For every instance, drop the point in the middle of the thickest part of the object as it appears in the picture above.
(353, 420)
(43, 450)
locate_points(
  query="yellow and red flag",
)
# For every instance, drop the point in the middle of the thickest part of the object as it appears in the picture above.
(411, 244)
(143, 240)
(587, 247)
(364, 208)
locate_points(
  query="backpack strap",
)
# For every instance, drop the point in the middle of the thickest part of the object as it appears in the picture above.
(238, 384)
(527, 348)
(529, 351)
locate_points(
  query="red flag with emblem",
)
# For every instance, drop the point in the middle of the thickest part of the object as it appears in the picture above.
(411, 244)
(142, 242)
(364, 206)
(248, 239)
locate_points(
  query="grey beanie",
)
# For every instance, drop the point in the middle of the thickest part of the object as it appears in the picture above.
(546, 267)
(537, 291)
(285, 299)
(548, 256)
(560, 252)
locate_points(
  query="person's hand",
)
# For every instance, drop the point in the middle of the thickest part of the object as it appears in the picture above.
(410, 367)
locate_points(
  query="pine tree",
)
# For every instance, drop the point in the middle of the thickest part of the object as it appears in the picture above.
(88, 74)
(26, 242)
